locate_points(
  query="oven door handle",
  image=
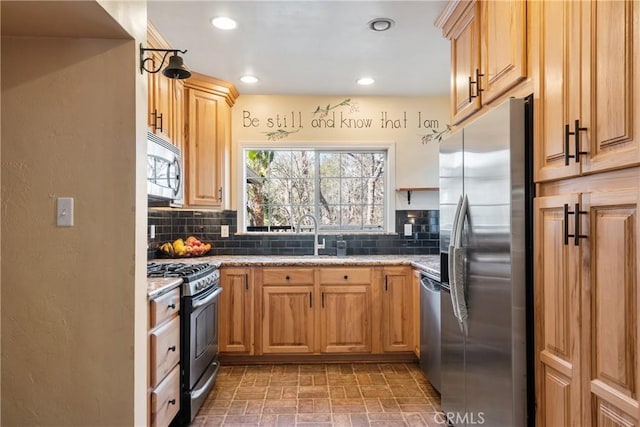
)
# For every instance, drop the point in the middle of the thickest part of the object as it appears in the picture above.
(195, 394)
(208, 299)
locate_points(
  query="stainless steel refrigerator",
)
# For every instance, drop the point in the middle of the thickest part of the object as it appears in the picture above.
(485, 230)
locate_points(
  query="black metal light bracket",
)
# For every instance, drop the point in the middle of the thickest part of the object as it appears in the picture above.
(143, 60)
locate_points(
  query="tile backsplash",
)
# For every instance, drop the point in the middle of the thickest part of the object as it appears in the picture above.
(171, 224)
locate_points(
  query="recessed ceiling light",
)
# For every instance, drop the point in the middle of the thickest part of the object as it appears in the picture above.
(224, 23)
(249, 79)
(381, 24)
(365, 81)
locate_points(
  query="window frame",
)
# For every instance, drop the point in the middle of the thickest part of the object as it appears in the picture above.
(389, 181)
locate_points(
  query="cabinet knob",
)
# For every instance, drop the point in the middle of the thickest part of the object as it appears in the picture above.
(172, 348)
(172, 306)
(346, 277)
(286, 277)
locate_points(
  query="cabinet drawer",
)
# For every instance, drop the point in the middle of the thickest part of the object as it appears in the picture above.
(165, 400)
(165, 349)
(287, 276)
(352, 276)
(164, 307)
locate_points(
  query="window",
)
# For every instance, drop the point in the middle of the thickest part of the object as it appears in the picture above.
(344, 190)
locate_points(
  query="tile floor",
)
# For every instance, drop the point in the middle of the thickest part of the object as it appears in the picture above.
(382, 394)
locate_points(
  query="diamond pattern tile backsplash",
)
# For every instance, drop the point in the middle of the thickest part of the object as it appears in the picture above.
(171, 224)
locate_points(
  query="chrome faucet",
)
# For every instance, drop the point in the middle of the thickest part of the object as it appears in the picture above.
(316, 245)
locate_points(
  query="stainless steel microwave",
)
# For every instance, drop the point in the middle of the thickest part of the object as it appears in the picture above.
(165, 178)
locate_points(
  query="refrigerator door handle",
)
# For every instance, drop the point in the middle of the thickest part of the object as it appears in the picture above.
(457, 262)
(452, 240)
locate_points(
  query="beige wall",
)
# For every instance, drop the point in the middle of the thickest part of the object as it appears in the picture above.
(73, 303)
(400, 120)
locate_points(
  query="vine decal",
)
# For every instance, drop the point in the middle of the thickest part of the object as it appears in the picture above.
(324, 111)
(435, 135)
(280, 134)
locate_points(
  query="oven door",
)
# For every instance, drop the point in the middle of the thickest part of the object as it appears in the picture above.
(200, 350)
(202, 334)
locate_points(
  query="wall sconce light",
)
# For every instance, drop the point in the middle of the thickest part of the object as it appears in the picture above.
(174, 70)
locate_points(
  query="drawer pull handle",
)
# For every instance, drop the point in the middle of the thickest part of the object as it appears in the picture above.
(172, 348)
(172, 306)
(172, 402)
(286, 277)
(346, 277)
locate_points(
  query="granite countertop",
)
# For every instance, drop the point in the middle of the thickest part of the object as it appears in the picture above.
(429, 264)
(157, 286)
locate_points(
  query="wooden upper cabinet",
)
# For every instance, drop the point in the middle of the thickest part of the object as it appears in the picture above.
(208, 139)
(587, 74)
(504, 46)
(464, 34)
(611, 85)
(488, 51)
(236, 310)
(557, 84)
(165, 99)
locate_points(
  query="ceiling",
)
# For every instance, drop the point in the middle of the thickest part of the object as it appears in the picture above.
(312, 47)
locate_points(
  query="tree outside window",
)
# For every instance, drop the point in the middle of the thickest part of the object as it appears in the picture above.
(345, 190)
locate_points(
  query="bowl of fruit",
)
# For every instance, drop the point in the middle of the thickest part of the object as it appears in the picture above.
(184, 248)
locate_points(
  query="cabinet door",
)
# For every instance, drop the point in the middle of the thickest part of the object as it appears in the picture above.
(611, 325)
(236, 311)
(177, 115)
(557, 313)
(397, 308)
(611, 93)
(345, 319)
(504, 46)
(205, 143)
(287, 319)
(165, 400)
(465, 61)
(557, 37)
(160, 98)
(415, 285)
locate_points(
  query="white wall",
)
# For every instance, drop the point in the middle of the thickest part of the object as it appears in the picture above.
(74, 299)
(402, 120)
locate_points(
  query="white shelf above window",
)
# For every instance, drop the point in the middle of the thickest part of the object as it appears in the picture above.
(411, 189)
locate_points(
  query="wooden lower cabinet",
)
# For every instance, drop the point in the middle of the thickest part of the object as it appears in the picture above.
(287, 319)
(557, 314)
(397, 308)
(236, 310)
(318, 310)
(610, 334)
(415, 300)
(164, 358)
(586, 303)
(345, 319)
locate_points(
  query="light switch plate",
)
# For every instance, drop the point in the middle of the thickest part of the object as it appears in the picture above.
(408, 230)
(64, 211)
(224, 231)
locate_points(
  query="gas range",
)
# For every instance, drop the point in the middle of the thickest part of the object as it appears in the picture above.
(196, 278)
